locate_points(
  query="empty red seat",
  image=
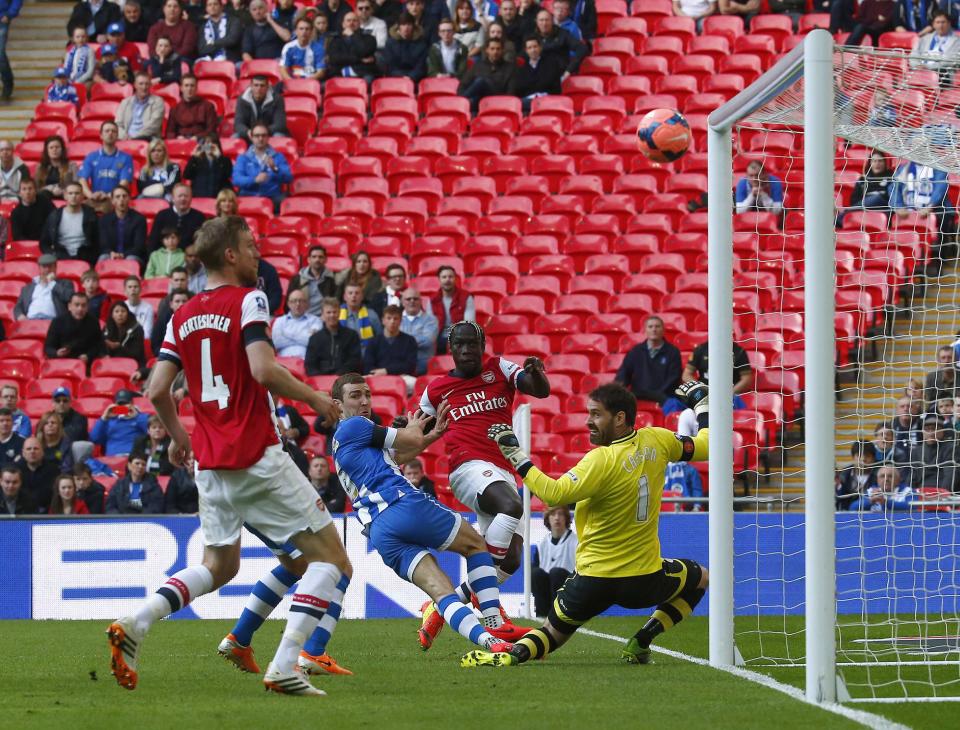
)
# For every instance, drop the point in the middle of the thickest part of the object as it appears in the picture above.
(434, 88)
(579, 88)
(265, 67)
(633, 28)
(668, 47)
(616, 47)
(714, 46)
(391, 86)
(726, 26)
(898, 39)
(810, 21)
(678, 27)
(745, 64)
(602, 67)
(505, 106)
(561, 108)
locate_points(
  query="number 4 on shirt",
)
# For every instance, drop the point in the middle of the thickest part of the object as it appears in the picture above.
(214, 389)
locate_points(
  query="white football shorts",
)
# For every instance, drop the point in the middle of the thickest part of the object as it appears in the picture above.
(469, 480)
(272, 496)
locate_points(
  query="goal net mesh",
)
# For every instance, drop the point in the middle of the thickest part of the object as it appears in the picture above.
(897, 633)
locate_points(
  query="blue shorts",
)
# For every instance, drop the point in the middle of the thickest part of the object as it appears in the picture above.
(404, 533)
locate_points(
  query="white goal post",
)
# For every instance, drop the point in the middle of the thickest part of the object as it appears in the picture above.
(811, 61)
(865, 599)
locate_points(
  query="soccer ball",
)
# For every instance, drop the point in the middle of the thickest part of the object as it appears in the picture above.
(664, 135)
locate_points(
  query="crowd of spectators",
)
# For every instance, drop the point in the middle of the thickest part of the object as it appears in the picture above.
(510, 48)
(915, 451)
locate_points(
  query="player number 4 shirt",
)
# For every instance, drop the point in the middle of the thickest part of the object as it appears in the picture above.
(235, 420)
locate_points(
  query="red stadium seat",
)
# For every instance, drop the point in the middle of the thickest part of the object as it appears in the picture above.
(715, 46)
(561, 108)
(609, 11)
(726, 26)
(633, 28)
(622, 49)
(579, 88)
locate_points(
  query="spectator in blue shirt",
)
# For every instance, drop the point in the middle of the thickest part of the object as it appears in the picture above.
(652, 369)
(924, 190)
(562, 17)
(420, 324)
(121, 424)
(303, 57)
(137, 492)
(103, 169)
(61, 89)
(261, 170)
(683, 477)
(891, 493)
(9, 397)
(759, 191)
(292, 331)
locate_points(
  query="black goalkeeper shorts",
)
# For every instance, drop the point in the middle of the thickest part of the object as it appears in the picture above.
(582, 597)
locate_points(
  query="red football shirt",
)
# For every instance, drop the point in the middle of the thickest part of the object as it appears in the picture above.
(475, 404)
(234, 413)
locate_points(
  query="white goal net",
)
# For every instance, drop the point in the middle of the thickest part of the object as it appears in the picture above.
(843, 291)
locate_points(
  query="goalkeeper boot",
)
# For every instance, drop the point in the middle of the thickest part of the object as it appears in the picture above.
(311, 664)
(238, 655)
(497, 655)
(431, 626)
(289, 683)
(125, 643)
(633, 653)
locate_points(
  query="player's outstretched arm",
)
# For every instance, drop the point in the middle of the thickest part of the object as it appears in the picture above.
(579, 483)
(161, 395)
(279, 381)
(534, 381)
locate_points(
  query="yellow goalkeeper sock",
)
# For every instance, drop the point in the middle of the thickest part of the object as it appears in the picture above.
(537, 643)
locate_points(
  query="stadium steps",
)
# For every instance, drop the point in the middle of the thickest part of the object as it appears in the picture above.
(36, 48)
(869, 396)
(909, 350)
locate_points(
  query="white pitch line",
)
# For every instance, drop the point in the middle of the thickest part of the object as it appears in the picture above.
(867, 719)
(904, 700)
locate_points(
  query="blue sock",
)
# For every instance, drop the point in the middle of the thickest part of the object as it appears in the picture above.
(482, 577)
(317, 643)
(266, 594)
(461, 619)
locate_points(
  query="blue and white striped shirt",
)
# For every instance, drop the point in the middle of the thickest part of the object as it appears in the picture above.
(303, 61)
(366, 469)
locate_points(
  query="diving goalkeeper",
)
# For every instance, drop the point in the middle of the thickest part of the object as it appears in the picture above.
(617, 489)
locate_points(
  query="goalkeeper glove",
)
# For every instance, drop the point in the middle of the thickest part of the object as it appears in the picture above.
(694, 394)
(509, 445)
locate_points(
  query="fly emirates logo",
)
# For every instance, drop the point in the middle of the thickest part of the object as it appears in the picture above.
(478, 403)
(204, 322)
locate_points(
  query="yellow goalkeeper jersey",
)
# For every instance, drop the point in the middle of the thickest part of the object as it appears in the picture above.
(618, 489)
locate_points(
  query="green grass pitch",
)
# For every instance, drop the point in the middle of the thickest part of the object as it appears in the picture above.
(56, 674)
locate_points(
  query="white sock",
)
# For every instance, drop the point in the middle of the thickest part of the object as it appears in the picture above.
(177, 592)
(310, 603)
(499, 535)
